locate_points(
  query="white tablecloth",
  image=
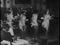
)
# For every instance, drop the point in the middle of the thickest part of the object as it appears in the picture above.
(20, 42)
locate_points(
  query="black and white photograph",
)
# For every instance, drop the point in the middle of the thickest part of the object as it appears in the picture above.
(29, 22)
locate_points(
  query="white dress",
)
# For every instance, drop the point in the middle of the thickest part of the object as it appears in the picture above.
(9, 22)
(22, 21)
(45, 22)
(11, 31)
(34, 20)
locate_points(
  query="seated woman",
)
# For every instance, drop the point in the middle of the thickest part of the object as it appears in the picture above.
(5, 35)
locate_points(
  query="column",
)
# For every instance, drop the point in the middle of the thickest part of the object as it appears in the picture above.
(13, 2)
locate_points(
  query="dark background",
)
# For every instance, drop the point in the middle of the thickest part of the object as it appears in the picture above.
(23, 1)
(52, 5)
